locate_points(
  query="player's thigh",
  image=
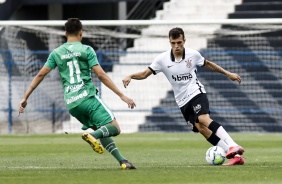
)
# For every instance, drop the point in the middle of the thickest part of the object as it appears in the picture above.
(81, 114)
(188, 115)
(99, 113)
(200, 107)
(92, 113)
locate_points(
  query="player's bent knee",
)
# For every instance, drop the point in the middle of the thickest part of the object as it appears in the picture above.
(204, 119)
(115, 123)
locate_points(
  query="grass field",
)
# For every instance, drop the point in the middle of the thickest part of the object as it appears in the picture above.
(160, 157)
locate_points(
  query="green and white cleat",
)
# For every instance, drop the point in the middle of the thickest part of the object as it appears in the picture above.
(125, 164)
(94, 143)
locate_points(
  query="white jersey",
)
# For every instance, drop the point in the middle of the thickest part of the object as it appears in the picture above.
(182, 74)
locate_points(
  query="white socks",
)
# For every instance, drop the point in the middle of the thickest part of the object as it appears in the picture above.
(223, 145)
(225, 137)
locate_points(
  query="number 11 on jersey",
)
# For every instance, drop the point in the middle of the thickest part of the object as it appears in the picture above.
(74, 65)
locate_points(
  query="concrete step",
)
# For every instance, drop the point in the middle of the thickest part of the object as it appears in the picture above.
(176, 15)
(190, 3)
(261, 1)
(259, 6)
(255, 14)
(198, 8)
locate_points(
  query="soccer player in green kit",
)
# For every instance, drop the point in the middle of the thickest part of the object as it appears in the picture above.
(74, 61)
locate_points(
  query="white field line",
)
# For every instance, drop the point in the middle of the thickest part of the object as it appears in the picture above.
(106, 167)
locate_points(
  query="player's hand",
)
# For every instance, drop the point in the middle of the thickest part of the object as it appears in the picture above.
(234, 76)
(126, 81)
(130, 102)
(22, 105)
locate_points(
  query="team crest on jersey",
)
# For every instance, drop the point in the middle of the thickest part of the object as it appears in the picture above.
(188, 63)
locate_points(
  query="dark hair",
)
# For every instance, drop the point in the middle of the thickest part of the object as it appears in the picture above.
(73, 26)
(176, 32)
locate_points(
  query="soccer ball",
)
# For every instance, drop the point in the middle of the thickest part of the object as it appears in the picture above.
(215, 155)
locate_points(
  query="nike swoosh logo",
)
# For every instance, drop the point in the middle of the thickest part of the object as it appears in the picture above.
(170, 66)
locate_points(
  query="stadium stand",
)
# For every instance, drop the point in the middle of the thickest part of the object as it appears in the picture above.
(258, 9)
(247, 104)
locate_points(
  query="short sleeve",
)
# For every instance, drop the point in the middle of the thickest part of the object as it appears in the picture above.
(92, 57)
(156, 66)
(51, 63)
(200, 60)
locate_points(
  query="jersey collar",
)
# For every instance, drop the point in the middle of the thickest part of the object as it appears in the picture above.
(172, 56)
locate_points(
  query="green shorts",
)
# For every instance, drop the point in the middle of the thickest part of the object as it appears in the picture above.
(92, 112)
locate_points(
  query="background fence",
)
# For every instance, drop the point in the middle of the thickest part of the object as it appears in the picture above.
(251, 49)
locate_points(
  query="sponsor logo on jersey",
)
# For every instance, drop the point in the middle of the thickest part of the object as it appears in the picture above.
(75, 98)
(74, 88)
(182, 77)
(170, 66)
(197, 108)
(188, 63)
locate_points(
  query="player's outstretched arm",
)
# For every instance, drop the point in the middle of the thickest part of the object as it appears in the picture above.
(137, 76)
(212, 66)
(35, 82)
(105, 79)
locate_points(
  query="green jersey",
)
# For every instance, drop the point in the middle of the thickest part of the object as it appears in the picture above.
(74, 61)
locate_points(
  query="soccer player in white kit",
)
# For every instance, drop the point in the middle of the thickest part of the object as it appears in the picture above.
(179, 65)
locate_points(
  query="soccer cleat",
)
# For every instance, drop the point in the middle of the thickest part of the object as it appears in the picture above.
(96, 146)
(236, 160)
(125, 164)
(233, 151)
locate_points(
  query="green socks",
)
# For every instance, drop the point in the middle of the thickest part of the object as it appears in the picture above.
(105, 131)
(104, 134)
(109, 144)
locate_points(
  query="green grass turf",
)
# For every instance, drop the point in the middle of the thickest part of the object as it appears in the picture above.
(160, 157)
